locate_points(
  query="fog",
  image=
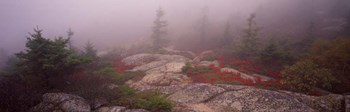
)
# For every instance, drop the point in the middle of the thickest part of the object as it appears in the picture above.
(111, 23)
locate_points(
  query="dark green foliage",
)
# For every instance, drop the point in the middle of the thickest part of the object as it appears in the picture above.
(10, 67)
(149, 100)
(159, 31)
(334, 55)
(126, 90)
(46, 58)
(18, 95)
(90, 51)
(226, 40)
(275, 54)
(204, 26)
(70, 34)
(305, 75)
(248, 44)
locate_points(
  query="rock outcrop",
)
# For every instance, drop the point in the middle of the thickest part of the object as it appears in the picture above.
(61, 102)
(230, 98)
(161, 70)
(119, 109)
(163, 74)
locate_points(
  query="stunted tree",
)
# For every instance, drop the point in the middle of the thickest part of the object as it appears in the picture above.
(70, 34)
(226, 39)
(90, 50)
(3, 57)
(45, 58)
(203, 25)
(248, 45)
(159, 31)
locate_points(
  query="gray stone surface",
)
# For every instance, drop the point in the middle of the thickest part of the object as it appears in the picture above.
(62, 102)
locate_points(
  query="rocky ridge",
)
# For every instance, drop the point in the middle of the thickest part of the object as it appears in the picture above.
(163, 74)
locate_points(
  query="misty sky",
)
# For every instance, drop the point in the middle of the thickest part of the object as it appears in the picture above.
(109, 23)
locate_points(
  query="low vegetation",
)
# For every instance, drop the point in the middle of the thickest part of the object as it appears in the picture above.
(52, 66)
(149, 100)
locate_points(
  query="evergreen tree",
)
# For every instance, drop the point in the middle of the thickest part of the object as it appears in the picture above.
(3, 57)
(159, 31)
(203, 25)
(226, 39)
(269, 53)
(90, 51)
(249, 41)
(70, 34)
(46, 58)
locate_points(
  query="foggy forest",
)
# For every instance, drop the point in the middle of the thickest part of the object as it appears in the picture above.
(174, 55)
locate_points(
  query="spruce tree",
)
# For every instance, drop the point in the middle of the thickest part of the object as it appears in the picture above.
(70, 34)
(159, 31)
(226, 39)
(46, 58)
(90, 51)
(249, 41)
(203, 25)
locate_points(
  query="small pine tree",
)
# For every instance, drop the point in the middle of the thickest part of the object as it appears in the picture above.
(203, 25)
(70, 34)
(159, 31)
(46, 58)
(90, 51)
(249, 41)
(226, 39)
(269, 53)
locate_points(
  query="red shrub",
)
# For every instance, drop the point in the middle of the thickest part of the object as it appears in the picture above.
(121, 67)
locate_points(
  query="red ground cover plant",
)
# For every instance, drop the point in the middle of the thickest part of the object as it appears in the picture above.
(121, 67)
(215, 75)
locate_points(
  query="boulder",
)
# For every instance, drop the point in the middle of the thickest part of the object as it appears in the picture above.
(62, 102)
(136, 110)
(149, 66)
(111, 109)
(326, 103)
(195, 93)
(98, 102)
(139, 59)
(155, 80)
(171, 67)
(163, 70)
(257, 100)
(164, 79)
(119, 109)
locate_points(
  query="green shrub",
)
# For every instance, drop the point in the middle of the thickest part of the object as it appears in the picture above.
(305, 75)
(187, 67)
(155, 103)
(149, 100)
(125, 90)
